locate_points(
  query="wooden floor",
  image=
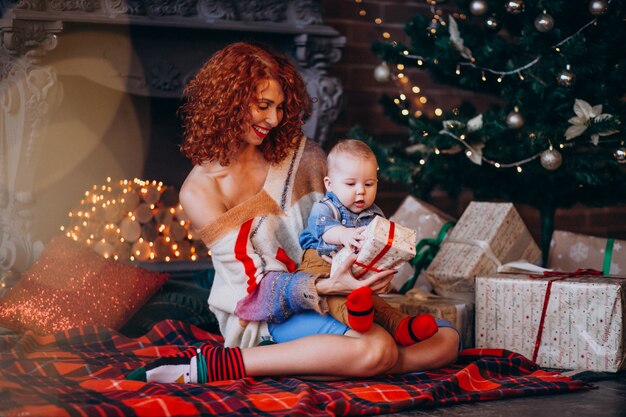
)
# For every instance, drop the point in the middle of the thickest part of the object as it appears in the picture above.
(608, 400)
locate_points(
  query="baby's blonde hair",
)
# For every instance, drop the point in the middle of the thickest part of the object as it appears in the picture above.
(349, 147)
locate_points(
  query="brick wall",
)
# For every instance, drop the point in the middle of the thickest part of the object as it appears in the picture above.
(362, 93)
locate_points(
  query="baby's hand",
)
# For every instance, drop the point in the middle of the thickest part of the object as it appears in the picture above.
(351, 237)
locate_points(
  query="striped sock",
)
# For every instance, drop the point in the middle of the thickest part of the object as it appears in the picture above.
(204, 363)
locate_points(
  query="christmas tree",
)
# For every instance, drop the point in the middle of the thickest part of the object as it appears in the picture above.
(553, 138)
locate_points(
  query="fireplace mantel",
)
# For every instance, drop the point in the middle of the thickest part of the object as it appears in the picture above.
(146, 48)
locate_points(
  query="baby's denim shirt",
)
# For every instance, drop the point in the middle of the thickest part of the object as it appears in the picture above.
(321, 219)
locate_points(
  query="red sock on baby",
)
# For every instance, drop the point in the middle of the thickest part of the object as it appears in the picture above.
(360, 309)
(415, 329)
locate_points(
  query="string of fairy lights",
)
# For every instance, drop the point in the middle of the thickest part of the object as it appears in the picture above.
(550, 158)
(135, 220)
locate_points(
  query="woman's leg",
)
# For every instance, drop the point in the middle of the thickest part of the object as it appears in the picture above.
(360, 355)
(439, 350)
(349, 355)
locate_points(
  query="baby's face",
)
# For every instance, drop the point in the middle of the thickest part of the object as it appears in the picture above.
(354, 181)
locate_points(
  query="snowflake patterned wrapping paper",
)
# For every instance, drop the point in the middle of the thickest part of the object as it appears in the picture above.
(380, 249)
(457, 312)
(427, 221)
(583, 324)
(571, 251)
(486, 236)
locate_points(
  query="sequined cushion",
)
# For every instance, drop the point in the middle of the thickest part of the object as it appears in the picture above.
(70, 285)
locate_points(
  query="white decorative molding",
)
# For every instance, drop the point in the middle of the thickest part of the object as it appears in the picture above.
(28, 92)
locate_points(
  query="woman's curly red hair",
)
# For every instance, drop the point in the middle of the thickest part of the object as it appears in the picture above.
(216, 111)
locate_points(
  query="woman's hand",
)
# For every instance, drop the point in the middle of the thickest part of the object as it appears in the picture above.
(342, 282)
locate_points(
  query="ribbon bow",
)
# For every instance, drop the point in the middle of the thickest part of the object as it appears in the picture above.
(425, 252)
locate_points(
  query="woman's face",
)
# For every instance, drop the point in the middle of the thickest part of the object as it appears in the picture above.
(266, 112)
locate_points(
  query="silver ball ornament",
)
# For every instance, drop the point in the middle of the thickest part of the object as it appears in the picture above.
(566, 78)
(544, 22)
(515, 6)
(478, 7)
(551, 159)
(598, 7)
(514, 120)
(382, 73)
(492, 24)
(620, 155)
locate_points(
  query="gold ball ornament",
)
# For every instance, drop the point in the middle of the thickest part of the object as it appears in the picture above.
(478, 7)
(620, 155)
(566, 78)
(515, 6)
(544, 22)
(514, 120)
(551, 159)
(598, 7)
(382, 73)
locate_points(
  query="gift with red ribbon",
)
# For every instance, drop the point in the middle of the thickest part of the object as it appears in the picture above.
(568, 320)
(386, 245)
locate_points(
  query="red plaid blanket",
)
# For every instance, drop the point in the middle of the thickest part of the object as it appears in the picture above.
(80, 373)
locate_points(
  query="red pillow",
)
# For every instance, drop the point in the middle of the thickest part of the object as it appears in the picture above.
(70, 285)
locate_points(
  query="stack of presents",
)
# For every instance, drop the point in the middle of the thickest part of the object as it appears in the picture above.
(481, 273)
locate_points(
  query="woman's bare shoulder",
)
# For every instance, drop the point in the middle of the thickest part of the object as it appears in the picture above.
(200, 197)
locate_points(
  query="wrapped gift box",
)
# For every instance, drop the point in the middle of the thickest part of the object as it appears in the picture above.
(486, 236)
(571, 251)
(427, 221)
(583, 324)
(386, 246)
(457, 312)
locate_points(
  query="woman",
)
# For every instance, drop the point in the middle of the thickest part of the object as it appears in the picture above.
(254, 180)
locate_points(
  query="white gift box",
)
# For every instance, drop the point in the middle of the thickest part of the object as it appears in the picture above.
(486, 236)
(582, 327)
(387, 245)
